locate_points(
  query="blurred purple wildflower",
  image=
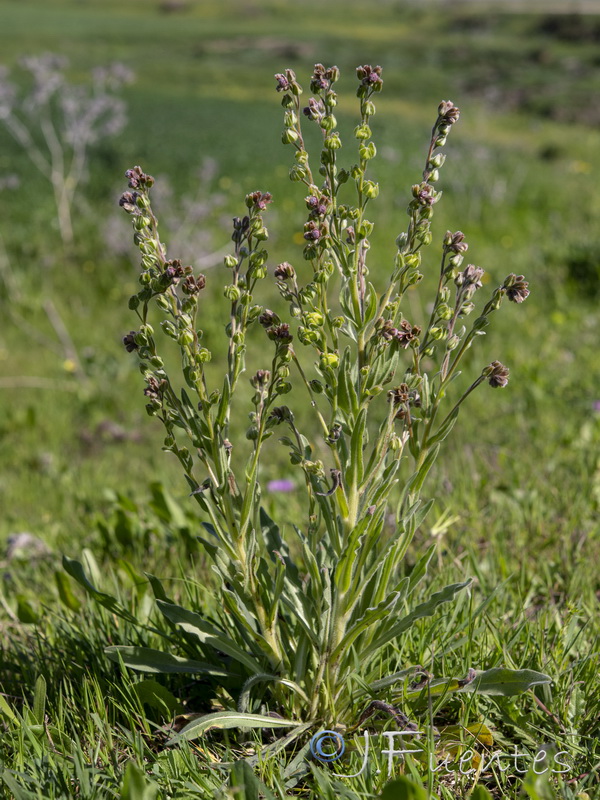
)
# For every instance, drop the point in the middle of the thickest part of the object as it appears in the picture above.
(281, 485)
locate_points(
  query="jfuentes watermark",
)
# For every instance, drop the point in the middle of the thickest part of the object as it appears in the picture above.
(329, 746)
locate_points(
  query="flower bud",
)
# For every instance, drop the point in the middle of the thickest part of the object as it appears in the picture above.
(169, 328)
(314, 319)
(329, 361)
(444, 311)
(365, 229)
(185, 338)
(368, 108)
(367, 151)
(396, 443)
(333, 142)
(232, 293)
(456, 260)
(141, 221)
(230, 261)
(371, 189)
(297, 173)
(328, 122)
(436, 161)
(289, 136)
(362, 132)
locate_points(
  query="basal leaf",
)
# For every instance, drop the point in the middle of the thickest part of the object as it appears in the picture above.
(507, 682)
(229, 719)
(403, 789)
(145, 659)
(426, 609)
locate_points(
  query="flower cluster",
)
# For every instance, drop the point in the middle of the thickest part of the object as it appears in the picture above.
(497, 375)
(405, 334)
(370, 78)
(517, 288)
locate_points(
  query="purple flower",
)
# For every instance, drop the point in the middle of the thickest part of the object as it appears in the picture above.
(596, 406)
(281, 485)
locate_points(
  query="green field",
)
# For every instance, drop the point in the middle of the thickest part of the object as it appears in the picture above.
(517, 487)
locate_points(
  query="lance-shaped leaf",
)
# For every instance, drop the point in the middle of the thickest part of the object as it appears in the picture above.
(426, 609)
(372, 615)
(75, 570)
(403, 789)
(145, 659)
(244, 701)
(229, 719)
(208, 634)
(503, 681)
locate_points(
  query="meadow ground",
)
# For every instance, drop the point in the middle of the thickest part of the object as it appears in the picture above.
(518, 485)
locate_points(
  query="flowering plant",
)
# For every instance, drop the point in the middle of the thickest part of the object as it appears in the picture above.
(304, 620)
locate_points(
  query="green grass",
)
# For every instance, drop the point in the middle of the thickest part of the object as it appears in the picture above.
(520, 477)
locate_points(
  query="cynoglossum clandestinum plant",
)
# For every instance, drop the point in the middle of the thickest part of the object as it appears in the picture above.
(302, 637)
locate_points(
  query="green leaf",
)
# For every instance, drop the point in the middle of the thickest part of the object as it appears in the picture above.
(65, 592)
(7, 710)
(536, 783)
(222, 720)
(371, 304)
(157, 588)
(403, 789)
(354, 471)
(223, 404)
(25, 611)
(244, 700)
(419, 571)
(135, 786)
(480, 793)
(416, 482)
(426, 609)
(383, 610)
(76, 571)
(390, 680)
(506, 682)
(151, 693)
(444, 429)
(245, 785)
(243, 782)
(166, 507)
(145, 659)
(17, 791)
(193, 623)
(346, 393)
(39, 700)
